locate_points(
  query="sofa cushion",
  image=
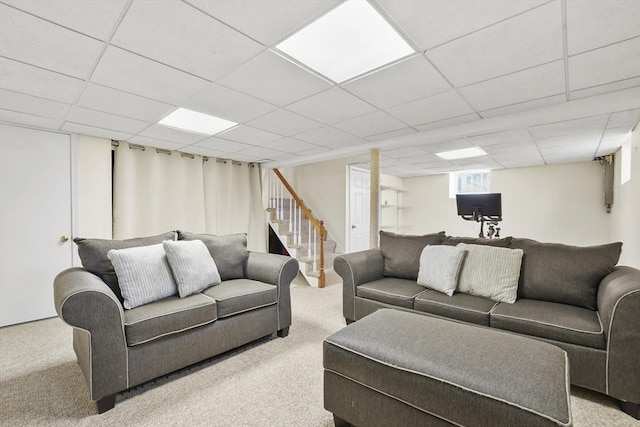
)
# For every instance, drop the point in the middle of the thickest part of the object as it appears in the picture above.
(401, 252)
(464, 307)
(502, 243)
(193, 268)
(93, 254)
(558, 322)
(564, 274)
(143, 274)
(168, 316)
(229, 252)
(399, 292)
(490, 272)
(439, 267)
(239, 295)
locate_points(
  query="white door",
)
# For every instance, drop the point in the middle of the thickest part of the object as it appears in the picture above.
(359, 196)
(35, 214)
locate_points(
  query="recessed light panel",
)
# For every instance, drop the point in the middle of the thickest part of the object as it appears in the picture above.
(350, 40)
(192, 121)
(462, 154)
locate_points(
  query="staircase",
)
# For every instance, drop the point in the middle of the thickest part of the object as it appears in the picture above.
(302, 235)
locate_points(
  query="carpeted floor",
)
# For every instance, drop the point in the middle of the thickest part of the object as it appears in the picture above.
(273, 382)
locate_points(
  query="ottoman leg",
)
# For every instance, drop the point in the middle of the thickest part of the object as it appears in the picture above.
(339, 422)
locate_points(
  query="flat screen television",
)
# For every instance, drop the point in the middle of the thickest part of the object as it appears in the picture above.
(477, 207)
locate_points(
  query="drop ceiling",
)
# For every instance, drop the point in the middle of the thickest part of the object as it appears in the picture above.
(530, 82)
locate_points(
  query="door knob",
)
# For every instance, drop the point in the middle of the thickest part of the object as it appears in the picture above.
(64, 239)
(353, 226)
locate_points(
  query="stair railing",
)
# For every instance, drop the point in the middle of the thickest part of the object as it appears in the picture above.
(280, 190)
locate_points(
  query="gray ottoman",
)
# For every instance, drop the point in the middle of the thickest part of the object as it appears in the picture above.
(394, 368)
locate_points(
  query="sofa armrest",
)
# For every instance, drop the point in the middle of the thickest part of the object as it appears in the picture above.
(356, 269)
(85, 302)
(619, 308)
(277, 270)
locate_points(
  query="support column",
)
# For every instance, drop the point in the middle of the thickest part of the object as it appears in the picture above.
(374, 207)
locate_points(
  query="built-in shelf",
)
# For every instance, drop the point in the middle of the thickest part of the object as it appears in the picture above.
(391, 207)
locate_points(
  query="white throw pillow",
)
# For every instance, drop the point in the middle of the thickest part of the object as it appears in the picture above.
(490, 272)
(192, 266)
(143, 274)
(439, 267)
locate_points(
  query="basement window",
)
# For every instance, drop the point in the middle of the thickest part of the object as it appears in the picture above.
(468, 182)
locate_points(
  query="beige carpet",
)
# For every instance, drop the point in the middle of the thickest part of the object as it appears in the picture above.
(274, 382)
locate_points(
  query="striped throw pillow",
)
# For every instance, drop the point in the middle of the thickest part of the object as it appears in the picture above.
(490, 272)
(143, 274)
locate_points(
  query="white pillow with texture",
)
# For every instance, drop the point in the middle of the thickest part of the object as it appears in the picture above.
(490, 272)
(439, 268)
(143, 274)
(193, 267)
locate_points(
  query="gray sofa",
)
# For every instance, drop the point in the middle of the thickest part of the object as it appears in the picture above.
(573, 297)
(120, 348)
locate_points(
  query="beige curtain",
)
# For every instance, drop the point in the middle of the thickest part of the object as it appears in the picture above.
(155, 191)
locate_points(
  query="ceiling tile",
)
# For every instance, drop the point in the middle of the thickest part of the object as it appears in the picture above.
(624, 119)
(27, 104)
(400, 83)
(431, 23)
(228, 104)
(16, 117)
(249, 135)
(568, 127)
(400, 153)
(48, 45)
(284, 122)
(30, 80)
(274, 79)
(481, 162)
(331, 106)
(527, 40)
(632, 83)
(586, 70)
(263, 153)
(177, 34)
(326, 136)
(497, 138)
(114, 101)
(533, 83)
(95, 131)
(93, 18)
(131, 73)
(208, 152)
(172, 135)
(443, 106)
(266, 21)
(439, 147)
(425, 159)
(593, 24)
(569, 142)
(289, 145)
(371, 124)
(220, 144)
(524, 106)
(390, 135)
(84, 116)
(465, 118)
(510, 148)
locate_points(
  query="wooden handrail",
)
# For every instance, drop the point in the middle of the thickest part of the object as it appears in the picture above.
(317, 224)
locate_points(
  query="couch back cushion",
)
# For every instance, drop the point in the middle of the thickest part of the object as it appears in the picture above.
(490, 272)
(564, 274)
(229, 252)
(93, 254)
(504, 242)
(401, 252)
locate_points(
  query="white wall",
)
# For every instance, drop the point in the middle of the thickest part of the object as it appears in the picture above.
(94, 187)
(557, 203)
(625, 212)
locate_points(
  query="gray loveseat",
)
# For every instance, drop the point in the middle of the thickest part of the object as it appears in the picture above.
(573, 297)
(120, 348)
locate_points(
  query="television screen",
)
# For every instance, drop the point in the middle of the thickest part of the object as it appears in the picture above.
(477, 206)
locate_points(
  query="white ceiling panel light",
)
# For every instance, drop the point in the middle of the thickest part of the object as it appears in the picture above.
(462, 154)
(192, 121)
(348, 41)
